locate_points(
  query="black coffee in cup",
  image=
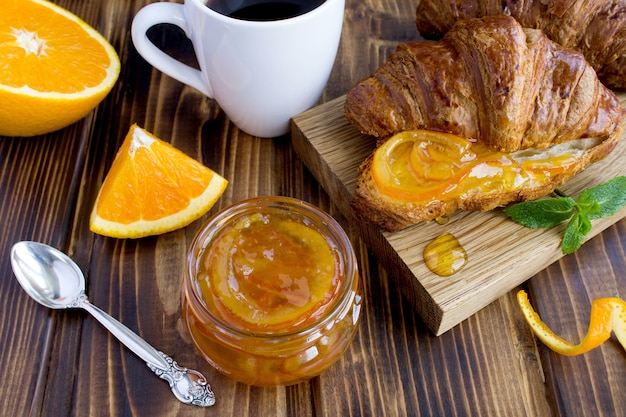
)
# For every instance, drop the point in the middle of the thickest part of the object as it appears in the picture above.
(263, 10)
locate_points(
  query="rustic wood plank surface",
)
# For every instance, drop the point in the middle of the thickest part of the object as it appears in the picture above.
(62, 363)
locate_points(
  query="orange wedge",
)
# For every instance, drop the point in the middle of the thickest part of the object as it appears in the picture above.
(55, 68)
(152, 188)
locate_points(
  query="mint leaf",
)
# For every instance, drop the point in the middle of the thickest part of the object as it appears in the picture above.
(575, 232)
(609, 197)
(542, 213)
(591, 208)
(597, 202)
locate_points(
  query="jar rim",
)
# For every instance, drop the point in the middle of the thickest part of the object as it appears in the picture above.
(215, 223)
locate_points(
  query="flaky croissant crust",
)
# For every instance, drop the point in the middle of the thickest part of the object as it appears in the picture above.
(489, 79)
(597, 28)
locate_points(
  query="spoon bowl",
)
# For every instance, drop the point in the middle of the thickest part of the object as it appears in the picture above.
(54, 280)
(48, 276)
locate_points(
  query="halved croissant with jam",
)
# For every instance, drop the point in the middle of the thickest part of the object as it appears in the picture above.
(521, 116)
(597, 28)
(489, 79)
(419, 175)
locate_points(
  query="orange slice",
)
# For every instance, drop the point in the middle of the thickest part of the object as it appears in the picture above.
(422, 165)
(55, 68)
(272, 273)
(152, 188)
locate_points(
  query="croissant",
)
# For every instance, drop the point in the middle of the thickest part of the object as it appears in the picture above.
(506, 115)
(597, 28)
(489, 79)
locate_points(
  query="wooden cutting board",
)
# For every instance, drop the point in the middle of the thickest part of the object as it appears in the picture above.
(501, 253)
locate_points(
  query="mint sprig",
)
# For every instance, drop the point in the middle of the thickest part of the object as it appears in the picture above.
(597, 202)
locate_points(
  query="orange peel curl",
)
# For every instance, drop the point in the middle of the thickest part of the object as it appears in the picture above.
(607, 314)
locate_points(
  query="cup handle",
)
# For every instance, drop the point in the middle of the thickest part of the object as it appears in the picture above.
(172, 13)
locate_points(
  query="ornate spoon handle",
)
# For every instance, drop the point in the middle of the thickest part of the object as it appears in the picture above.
(188, 386)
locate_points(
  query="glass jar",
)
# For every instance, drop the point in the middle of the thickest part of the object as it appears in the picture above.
(271, 293)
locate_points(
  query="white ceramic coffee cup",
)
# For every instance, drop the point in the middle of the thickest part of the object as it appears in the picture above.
(261, 73)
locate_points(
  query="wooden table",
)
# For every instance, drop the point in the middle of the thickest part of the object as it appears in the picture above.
(58, 363)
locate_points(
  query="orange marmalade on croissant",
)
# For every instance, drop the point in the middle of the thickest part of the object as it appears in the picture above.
(271, 293)
(421, 165)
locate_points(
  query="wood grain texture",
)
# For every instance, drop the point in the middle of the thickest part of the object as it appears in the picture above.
(594, 383)
(63, 363)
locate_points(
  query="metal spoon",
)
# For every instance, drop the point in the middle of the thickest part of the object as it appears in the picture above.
(51, 278)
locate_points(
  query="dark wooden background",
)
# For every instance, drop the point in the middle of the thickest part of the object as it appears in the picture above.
(62, 363)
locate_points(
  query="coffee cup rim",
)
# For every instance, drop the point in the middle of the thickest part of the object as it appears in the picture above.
(273, 23)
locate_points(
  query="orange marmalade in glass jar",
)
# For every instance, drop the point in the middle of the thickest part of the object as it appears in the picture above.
(271, 293)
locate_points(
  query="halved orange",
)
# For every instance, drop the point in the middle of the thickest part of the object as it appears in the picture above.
(55, 68)
(152, 188)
